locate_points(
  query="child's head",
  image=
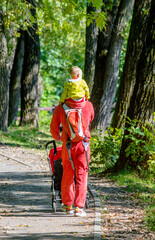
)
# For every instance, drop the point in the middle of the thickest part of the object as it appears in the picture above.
(76, 72)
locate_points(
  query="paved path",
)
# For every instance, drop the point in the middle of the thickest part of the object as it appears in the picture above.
(25, 207)
(26, 212)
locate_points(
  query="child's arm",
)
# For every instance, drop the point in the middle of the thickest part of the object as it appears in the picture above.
(64, 94)
(87, 94)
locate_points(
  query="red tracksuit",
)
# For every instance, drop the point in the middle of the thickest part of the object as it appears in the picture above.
(71, 194)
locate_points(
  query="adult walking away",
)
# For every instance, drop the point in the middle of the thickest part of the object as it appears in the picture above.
(70, 193)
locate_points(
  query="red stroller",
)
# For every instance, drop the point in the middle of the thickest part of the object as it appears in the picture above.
(55, 164)
(56, 169)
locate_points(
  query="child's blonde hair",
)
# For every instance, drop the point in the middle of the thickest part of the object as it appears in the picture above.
(75, 71)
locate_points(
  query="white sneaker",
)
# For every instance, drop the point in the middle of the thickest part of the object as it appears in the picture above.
(67, 209)
(79, 212)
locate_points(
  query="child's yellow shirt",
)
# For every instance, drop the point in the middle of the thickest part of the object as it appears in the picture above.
(75, 89)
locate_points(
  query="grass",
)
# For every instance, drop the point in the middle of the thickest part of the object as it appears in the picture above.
(25, 137)
(28, 137)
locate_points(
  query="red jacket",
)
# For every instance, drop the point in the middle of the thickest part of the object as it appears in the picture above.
(60, 118)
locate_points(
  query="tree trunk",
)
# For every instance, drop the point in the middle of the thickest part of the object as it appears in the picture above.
(91, 47)
(40, 89)
(110, 77)
(15, 80)
(29, 88)
(104, 38)
(4, 77)
(134, 49)
(142, 100)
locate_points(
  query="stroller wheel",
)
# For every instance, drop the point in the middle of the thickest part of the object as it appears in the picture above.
(60, 197)
(54, 206)
(87, 201)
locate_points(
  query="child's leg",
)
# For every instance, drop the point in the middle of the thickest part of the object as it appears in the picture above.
(71, 102)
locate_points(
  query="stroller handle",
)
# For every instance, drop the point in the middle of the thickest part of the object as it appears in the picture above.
(54, 145)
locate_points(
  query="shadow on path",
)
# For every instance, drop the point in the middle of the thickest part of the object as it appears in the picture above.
(26, 210)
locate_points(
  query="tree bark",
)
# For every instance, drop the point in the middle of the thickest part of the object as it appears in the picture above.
(134, 49)
(15, 80)
(40, 89)
(103, 44)
(29, 88)
(4, 77)
(142, 100)
(90, 53)
(110, 77)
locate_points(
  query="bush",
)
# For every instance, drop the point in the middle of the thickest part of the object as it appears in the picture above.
(141, 146)
(105, 150)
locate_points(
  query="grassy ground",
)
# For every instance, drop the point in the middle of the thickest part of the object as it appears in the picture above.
(29, 137)
(142, 189)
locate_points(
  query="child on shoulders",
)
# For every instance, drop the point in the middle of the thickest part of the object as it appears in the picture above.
(75, 89)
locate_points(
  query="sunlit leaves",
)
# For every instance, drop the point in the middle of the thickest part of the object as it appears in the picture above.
(17, 15)
(96, 3)
(99, 17)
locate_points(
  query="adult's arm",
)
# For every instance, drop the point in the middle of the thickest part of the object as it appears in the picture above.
(91, 111)
(55, 123)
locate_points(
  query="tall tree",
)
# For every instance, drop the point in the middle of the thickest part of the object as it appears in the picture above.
(15, 79)
(4, 76)
(103, 44)
(91, 47)
(142, 99)
(110, 77)
(134, 49)
(29, 84)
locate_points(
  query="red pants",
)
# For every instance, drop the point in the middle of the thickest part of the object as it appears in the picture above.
(69, 192)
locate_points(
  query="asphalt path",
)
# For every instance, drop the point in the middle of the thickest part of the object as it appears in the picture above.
(26, 207)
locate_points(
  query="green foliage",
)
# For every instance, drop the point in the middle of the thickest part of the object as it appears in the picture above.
(150, 216)
(105, 151)
(62, 33)
(44, 121)
(61, 27)
(141, 147)
(99, 17)
(17, 15)
(96, 3)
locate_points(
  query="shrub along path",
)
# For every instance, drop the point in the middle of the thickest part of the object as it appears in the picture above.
(25, 204)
